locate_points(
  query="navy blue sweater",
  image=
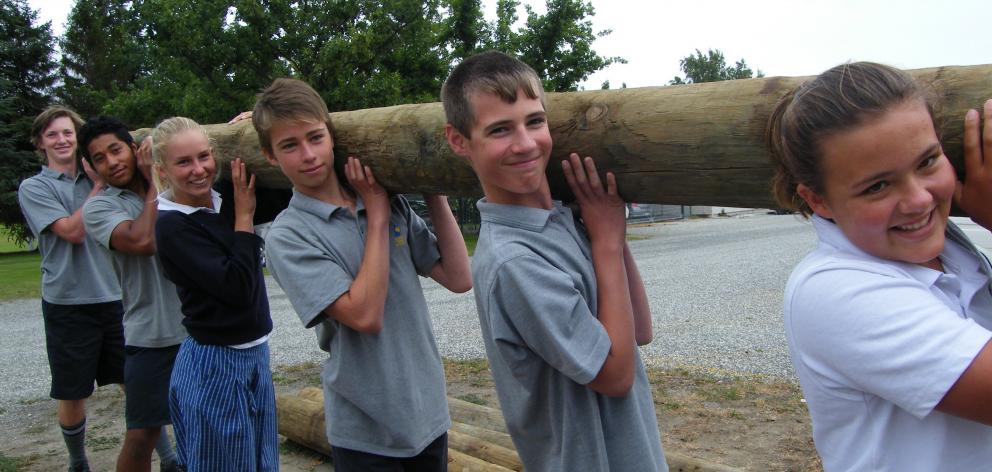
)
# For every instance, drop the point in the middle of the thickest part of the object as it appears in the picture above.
(218, 275)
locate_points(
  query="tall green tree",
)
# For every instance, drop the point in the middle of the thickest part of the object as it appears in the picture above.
(27, 74)
(711, 67)
(102, 54)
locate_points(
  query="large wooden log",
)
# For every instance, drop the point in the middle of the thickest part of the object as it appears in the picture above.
(697, 144)
(477, 431)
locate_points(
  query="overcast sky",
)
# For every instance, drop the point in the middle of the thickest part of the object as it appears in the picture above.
(780, 37)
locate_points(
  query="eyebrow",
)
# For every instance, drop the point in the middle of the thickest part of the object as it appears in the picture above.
(497, 124)
(929, 152)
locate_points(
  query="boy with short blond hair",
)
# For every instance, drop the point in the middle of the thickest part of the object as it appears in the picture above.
(560, 299)
(348, 259)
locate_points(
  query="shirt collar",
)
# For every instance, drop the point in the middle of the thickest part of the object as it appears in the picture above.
(831, 235)
(49, 172)
(319, 208)
(165, 203)
(528, 218)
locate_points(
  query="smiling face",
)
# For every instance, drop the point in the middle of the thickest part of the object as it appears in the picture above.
(113, 159)
(508, 147)
(888, 185)
(189, 167)
(58, 142)
(304, 151)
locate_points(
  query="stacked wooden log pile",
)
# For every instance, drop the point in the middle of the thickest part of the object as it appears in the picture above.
(477, 440)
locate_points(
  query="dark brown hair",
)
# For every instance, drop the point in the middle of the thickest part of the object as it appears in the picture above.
(287, 100)
(487, 72)
(45, 118)
(837, 100)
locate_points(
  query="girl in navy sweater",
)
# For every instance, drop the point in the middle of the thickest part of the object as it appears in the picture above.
(221, 396)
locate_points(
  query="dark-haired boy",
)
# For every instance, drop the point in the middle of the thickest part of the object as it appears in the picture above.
(122, 219)
(349, 261)
(560, 300)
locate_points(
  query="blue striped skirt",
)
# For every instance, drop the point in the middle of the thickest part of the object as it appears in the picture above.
(223, 408)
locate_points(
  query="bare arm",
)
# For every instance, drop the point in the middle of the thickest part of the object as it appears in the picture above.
(643, 333)
(969, 397)
(602, 212)
(137, 236)
(452, 271)
(974, 194)
(361, 307)
(71, 227)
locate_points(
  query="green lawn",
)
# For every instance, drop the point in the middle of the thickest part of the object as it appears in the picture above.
(21, 275)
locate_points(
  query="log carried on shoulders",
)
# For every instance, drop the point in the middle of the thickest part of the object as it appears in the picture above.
(477, 440)
(699, 144)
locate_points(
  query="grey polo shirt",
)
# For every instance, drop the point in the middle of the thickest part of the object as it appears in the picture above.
(383, 393)
(535, 288)
(152, 315)
(71, 274)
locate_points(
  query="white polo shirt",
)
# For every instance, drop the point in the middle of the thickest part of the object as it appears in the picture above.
(877, 343)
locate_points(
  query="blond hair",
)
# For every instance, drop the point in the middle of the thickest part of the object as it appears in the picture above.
(162, 134)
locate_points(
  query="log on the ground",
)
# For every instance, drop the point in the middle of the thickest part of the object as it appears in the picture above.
(301, 420)
(477, 431)
(699, 144)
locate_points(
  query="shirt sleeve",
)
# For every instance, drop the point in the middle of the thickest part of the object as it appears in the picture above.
(194, 259)
(311, 278)
(535, 304)
(423, 242)
(101, 216)
(881, 334)
(40, 206)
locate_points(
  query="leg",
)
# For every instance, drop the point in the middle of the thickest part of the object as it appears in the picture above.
(71, 412)
(350, 460)
(72, 421)
(264, 399)
(167, 458)
(136, 454)
(434, 457)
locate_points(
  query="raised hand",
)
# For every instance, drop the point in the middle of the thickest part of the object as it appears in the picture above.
(98, 183)
(144, 161)
(244, 196)
(974, 196)
(373, 195)
(601, 207)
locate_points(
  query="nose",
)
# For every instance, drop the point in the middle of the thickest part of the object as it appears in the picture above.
(307, 152)
(916, 198)
(523, 142)
(198, 168)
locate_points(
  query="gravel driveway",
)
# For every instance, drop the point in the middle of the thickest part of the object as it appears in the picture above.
(715, 287)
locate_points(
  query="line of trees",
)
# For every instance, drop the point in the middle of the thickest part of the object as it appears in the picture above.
(144, 60)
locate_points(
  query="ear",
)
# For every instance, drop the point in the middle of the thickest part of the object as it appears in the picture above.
(815, 201)
(269, 157)
(456, 140)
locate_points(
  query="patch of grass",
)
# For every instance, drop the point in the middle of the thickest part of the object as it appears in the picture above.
(469, 368)
(637, 237)
(9, 464)
(20, 274)
(470, 241)
(472, 398)
(99, 443)
(7, 243)
(722, 393)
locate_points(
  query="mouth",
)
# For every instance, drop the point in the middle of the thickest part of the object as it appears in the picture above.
(525, 163)
(312, 170)
(118, 174)
(200, 182)
(921, 225)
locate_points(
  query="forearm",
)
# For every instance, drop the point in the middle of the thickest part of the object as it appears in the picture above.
(614, 312)
(643, 332)
(361, 307)
(453, 271)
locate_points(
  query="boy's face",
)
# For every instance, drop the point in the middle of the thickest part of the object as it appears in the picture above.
(113, 159)
(303, 150)
(508, 147)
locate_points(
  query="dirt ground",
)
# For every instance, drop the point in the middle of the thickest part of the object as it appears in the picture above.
(747, 422)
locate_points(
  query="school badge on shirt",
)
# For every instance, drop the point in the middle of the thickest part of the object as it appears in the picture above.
(398, 238)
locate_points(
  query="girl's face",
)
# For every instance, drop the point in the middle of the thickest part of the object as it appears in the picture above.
(888, 186)
(189, 167)
(58, 141)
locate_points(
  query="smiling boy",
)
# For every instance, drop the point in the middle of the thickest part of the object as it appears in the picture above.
(122, 219)
(560, 301)
(349, 261)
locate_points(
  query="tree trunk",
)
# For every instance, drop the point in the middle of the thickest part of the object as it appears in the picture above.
(699, 144)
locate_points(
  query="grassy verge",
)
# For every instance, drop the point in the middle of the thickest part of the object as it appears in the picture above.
(20, 274)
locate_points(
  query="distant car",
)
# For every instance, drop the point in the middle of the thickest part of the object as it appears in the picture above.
(419, 207)
(637, 212)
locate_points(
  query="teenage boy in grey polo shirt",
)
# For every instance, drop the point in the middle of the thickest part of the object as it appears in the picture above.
(349, 262)
(122, 219)
(561, 303)
(80, 295)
